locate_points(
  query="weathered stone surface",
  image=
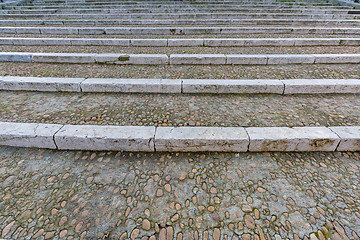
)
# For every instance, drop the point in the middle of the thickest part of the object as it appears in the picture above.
(317, 42)
(350, 138)
(63, 57)
(93, 137)
(337, 58)
(15, 57)
(217, 42)
(40, 84)
(149, 42)
(269, 42)
(290, 59)
(292, 139)
(185, 42)
(197, 59)
(201, 139)
(243, 59)
(232, 86)
(295, 86)
(28, 134)
(131, 85)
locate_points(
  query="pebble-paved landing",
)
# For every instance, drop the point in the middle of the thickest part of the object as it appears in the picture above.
(109, 195)
(180, 109)
(316, 71)
(186, 50)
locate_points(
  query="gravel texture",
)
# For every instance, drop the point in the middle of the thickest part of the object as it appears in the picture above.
(180, 110)
(319, 71)
(114, 195)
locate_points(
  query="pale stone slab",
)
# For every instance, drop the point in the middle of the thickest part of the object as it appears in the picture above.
(8, 30)
(350, 138)
(141, 59)
(114, 138)
(131, 85)
(232, 86)
(27, 30)
(270, 42)
(149, 42)
(225, 139)
(63, 57)
(292, 139)
(305, 86)
(290, 59)
(117, 30)
(197, 59)
(242, 59)
(40, 84)
(222, 42)
(350, 41)
(337, 58)
(92, 31)
(15, 57)
(58, 30)
(185, 42)
(28, 134)
(317, 42)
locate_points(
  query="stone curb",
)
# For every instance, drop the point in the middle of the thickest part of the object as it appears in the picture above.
(180, 59)
(205, 42)
(211, 21)
(176, 30)
(194, 86)
(194, 139)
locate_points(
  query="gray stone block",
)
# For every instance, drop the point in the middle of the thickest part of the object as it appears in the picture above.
(149, 42)
(114, 138)
(232, 86)
(28, 134)
(221, 42)
(270, 42)
(15, 57)
(317, 42)
(292, 139)
(197, 59)
(59, 30)
(337, 58)
(132, 85)
(230, 139)
(63, 57)
(185, 42)
(350, 138)
(243, 59)
(306, 86)
(290, 59)
(40, 84)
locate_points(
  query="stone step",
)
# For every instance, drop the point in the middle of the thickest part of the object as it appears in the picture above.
(180, 59)
(173, 109)
(178, 42)
(177, 30)
(156, 22)
(220, 86)
(184, 15)
(184, 139)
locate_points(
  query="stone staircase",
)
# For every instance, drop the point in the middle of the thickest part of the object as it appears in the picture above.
(187, 69)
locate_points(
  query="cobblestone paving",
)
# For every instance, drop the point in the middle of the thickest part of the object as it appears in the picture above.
(113, 195)
(187, 50)
(316, 71)
(180, 109)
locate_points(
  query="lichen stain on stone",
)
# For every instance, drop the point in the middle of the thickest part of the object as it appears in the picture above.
(124, 58)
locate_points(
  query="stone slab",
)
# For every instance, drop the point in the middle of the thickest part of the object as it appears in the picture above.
(350, 137)
(28, 134)
(298, 139)
(114, 138)
(337, 58)
(242, 59)
(306, 86)
(185, 42)
(132, 85)
(15, 57)
(270, 42)
(63, 57)
(290, 59)
(222, 42)
(149, 42)
(197, 59)
(317, 42)
(40, 84)
(232, 86)
(190, 139)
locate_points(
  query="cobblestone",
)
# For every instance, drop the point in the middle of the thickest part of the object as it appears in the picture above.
(95, 210)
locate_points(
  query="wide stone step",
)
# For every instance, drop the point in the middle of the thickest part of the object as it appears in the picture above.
(184, 16)
(178, 42)
(155, 22)
(177, 30)
(220, 86)
(180, 59)
(151, 139)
